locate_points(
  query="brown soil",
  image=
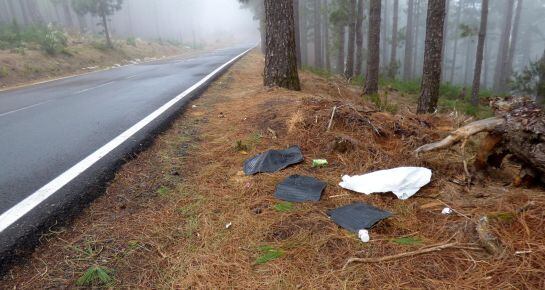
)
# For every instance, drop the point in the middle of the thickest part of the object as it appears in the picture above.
(82, 55)
(162, 222)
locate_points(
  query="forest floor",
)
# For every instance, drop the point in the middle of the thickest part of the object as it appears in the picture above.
(162, 221)
(83, 54)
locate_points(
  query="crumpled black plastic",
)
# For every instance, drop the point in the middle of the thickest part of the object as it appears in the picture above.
(297, 188)
(357, 216)
(273, 160)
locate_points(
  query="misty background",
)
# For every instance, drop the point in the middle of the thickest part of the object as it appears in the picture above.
(192, 22)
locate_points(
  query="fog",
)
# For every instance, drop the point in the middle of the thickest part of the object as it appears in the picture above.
(190, 21)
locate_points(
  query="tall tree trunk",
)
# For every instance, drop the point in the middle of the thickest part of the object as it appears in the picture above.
(349, 70)
(540, 96)
(359, 37)
(456, 37)
(106, 30)
(445, 41)
(503, 53)
(479, 55)
(303, 32)
(416, 42)
(318, 34)
(513, 45)
(297, 32)
(393, 56)
(431, 76)
(487, 60)
(373, 61)
(340, 55)
(407, 62)
(67, 15)
(327, 56)
(384, 35)
(280, 55)
(468, 60)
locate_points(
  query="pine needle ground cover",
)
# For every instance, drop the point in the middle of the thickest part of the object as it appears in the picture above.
(182, 214)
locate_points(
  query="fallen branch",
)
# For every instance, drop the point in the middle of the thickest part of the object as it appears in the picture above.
(463, 133)
(454, 245)
(331, 119)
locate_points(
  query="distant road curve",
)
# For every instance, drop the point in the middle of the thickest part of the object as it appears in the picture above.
(61, 140)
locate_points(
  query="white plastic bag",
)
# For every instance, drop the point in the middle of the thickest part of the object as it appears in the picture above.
(404, 182)
(364, 235)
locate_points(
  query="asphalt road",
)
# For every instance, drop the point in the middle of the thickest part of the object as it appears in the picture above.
(48, 128)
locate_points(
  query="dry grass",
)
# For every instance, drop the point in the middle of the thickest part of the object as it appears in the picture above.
(162, 222)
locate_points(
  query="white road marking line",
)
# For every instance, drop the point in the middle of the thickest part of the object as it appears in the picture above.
(26, 205)
(96, 87)
(24, 108)
(130, 77)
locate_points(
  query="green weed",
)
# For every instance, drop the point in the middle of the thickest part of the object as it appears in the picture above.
(268, 254)
(408, 241)
(285, 206)
(95, 275)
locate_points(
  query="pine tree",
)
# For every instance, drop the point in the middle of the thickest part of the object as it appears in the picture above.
(479, 54)
(349, 70)
(373, 61)
(392, 71)
(280, 51)
(359, 37)
(503, 52)
(101, 8)
(431, 76)
(407, 62)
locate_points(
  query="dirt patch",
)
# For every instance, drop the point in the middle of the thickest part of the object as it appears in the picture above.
(183, 215)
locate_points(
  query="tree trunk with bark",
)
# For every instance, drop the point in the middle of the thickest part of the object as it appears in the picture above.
(540, 94)
(431, 76)
(517, 129)
(106, 30)
(340, 54)
(359, 38)
(503, 53)
(327, 57)
(373, 60)
(280, 55)
(456, 37)
(392, 71)
(416, 50)
(513, 45)
(407, 62)
(297, 33)
(384, 36)
(445, 41)
(479, 55)
(349, 69)
(318, 34)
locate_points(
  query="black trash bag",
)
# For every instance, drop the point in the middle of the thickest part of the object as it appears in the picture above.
(357, 216)
(298, 188)
(273, 160)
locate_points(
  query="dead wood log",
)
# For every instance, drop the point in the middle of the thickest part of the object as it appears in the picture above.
(463, 133)
(517, 129)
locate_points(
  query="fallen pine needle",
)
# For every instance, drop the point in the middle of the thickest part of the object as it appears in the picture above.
(436, 248)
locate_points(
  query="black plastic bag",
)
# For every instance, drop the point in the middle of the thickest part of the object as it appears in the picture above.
(357, 216)
(298, 188)
(273, 160)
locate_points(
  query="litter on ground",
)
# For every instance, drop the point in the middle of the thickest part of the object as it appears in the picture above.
(299, 188)
(319, 163)
(446, 210)
(273, 160)
(364, 235)
(404, 182)
(357, 216)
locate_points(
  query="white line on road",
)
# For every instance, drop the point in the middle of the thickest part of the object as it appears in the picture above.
(130, 77)
(96, 87)
(26, 205)
(24, 108)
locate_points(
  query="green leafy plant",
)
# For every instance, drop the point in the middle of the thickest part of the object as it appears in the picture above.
(268, 253)
(408, 241)
(284, 206)
(95, 275)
